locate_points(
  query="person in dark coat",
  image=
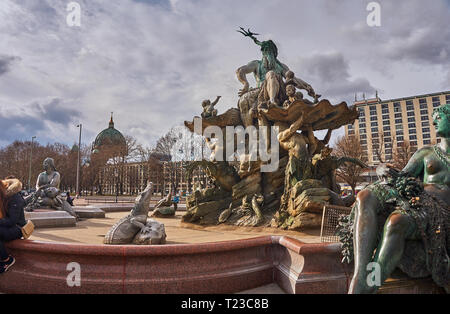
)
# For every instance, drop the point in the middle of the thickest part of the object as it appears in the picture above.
(12, 218)
(69, 199)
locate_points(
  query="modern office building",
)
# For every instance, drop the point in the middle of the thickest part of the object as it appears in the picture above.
(384, 126)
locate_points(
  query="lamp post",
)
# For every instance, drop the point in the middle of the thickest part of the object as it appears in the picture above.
(31, 157)
(77, 191)
(116, 175)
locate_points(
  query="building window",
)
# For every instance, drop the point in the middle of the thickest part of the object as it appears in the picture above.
(399, 138)
(385, 111)
(387, 134)
(426, 136)
(399, 127)
(413, 143)
(398, 121)
(424, 118)
(384, 106)
(409, 102)
(350, 126)
(387, 139)
(410, 113)
(375, 135)
(373, 113)
(447, 98)
(373, 130)
(426, 123)
(362, 120)
(362, 125)
(386, 122)
(409, 108)
(412, 131)
(385, 117)
(423, 106)
(373, 118)
(399, 132)
(413, 137)
(372, 108)
(363, 142)
(422, 101)
(397, 105)
(386, 128)
(426, 130)
(423, 112)
(363, 136)
(411, 125)
(351, 132)
(398, 109)
(397, 115)
(374, 124)
(411, 119)
(436, 102)
(426, 142)
(362, 131)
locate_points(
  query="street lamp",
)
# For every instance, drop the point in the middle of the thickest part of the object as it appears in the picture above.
(116, 175)
(31, 157)
(77, 191)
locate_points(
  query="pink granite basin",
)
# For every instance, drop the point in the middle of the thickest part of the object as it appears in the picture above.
(219, 267)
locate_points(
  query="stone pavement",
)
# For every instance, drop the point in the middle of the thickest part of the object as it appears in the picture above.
(92, 231)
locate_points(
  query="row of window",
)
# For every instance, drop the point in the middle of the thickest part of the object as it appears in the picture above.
(409, 106)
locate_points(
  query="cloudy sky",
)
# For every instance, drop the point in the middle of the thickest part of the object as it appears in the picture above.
(152, 62)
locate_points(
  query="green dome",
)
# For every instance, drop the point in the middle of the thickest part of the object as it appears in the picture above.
(109, 137)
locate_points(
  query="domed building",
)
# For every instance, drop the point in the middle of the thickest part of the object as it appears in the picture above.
(110, 139)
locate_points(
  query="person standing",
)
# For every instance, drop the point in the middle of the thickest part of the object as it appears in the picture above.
(12, 218)
(176, 200)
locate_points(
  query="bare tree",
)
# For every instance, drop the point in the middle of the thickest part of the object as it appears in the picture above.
(349, 146)
(401, 154)
(163, 152)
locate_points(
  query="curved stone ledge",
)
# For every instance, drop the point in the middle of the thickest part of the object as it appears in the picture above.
(216, 267)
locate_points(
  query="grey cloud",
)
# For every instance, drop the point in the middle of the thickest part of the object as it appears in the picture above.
(6, 62)
(16, 127)
(410, 30)
(330, 73)
(55, 112)
(36, 119)
(152, 62)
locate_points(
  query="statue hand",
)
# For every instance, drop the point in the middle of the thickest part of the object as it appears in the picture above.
(243, 90)
(386, 170)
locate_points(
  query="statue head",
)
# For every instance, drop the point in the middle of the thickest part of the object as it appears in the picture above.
(290, 90)
(206, 103)
(268, 48)
(49, 163)
(326, 152)
(441, 120)
(289, 75)
(269, 54)
(259, 198)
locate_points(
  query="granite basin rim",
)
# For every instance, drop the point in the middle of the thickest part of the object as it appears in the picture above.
(143, 250)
